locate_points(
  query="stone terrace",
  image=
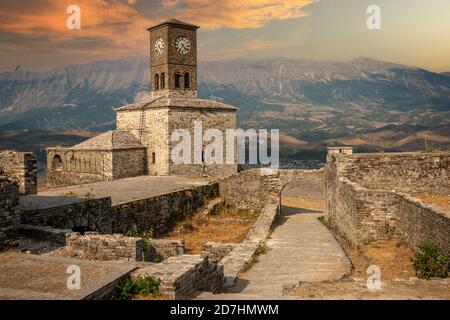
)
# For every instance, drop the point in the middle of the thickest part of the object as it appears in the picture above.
(120, 191)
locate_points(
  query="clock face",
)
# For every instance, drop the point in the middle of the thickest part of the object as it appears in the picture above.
(159, 46)
(183, 45)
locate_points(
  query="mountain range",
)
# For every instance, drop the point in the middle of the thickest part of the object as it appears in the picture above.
(364, 102)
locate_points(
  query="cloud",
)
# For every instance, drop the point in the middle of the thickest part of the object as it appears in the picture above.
(40, 26)
(239, 14)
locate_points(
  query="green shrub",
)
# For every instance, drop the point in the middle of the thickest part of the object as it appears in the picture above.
(430, 262)
(126, 289)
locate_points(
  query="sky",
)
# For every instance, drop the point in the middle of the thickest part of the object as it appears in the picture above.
(34, 35)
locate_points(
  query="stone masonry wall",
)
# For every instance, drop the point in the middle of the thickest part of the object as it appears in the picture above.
(9, 212)
(182, 276)
(158, 214)
(78, 166)
(250, 189)
(107, 247)
(400, 171)
(95, 214)
(166, 248)
(375, 209)
(21, 167)
(184, 118)
(151, 127)
(419, 222)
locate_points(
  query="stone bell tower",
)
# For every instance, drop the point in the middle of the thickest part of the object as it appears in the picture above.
(173, 59)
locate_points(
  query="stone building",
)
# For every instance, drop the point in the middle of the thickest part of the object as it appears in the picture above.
(142, 142)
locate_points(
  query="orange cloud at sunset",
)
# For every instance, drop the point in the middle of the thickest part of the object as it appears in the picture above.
(111, 28)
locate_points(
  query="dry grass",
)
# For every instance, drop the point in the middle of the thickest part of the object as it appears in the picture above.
(393, 258)
(303, 203)
(229, 226)
(441, 201)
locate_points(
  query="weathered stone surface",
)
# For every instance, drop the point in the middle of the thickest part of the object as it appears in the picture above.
(9, 211)
(182, 276)
(157, 213)
(107, 247)
(20, 167)
(367, 197)
(166, 248)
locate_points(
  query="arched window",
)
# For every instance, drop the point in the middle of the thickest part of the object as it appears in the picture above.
(187, 82)
(163, 80)
(177, 79)
(153, 158)
(57, 163)
(156, 82)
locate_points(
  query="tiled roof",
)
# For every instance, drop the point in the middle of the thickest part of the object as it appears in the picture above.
(174, 21)
(177, 102)
(114, 139)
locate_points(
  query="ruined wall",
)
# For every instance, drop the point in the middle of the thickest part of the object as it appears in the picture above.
(182, 276)
(166, 248)
(9, 211)
(158, 214)
(21, 167)
(70, 167)
(220, 119)
(107, 247)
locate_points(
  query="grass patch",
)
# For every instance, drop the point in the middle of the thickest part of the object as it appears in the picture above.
(127, 289)
(430, 262)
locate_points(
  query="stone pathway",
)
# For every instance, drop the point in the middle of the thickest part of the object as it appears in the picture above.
(300, 249)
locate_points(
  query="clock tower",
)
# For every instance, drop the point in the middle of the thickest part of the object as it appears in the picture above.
(173, 59)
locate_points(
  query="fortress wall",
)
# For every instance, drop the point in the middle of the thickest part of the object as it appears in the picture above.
(159, 214)
(421, 222)
(21, 167)
(362, 214)
(92, 213)
(250, 189)
(422, 172)
(9, 211)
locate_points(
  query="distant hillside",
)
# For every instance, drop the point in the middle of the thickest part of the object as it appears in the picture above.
(310, 101)
(36, 140)
(399, 138)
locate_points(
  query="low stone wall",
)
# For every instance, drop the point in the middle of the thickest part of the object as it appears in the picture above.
(107, 247)
(44, 233)
(419, 222)
(91, 214)
(183, 276)
(216, 251)
(20, 167)
(243, 252)
(161, 213)
(9, 211)
(166, 248)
